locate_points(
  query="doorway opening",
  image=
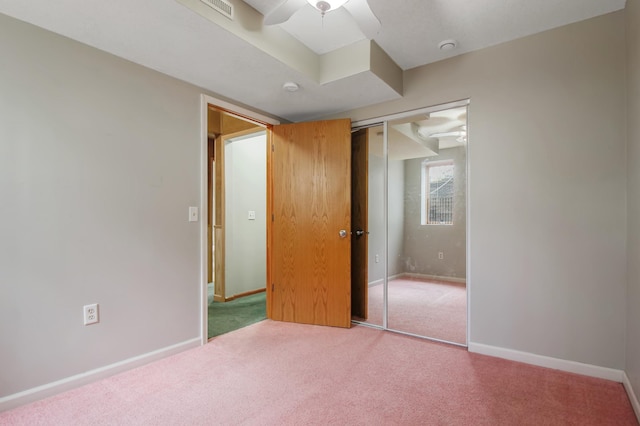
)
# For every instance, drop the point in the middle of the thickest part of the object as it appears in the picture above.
(236, 148)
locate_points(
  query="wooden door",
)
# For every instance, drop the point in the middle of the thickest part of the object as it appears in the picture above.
(359, 224)
(310, 201)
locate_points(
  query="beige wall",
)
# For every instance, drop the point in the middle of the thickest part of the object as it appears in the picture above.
(633, 200)
(547, 187)
(99, 162)
(377, 213)
(245, 190)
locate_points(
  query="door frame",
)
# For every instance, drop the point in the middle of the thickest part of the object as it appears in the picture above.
(239, 112)
(383, 120)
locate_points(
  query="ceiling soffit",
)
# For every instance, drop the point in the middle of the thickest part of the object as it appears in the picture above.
(361, 57)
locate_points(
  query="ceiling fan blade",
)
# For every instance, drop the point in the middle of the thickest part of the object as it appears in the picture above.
(364, 16)
(283, 12)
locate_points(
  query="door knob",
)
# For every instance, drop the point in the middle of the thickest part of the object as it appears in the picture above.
(343, 233)
(359, 232)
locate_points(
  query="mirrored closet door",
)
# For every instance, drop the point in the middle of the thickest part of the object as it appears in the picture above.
(417, 177)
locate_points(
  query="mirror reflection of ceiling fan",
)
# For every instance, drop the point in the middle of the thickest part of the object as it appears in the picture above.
(359, 9)
(460, 135)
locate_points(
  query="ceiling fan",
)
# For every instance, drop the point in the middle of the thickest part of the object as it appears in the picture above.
(359, 9)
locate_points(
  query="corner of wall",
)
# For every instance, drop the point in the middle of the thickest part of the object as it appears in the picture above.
(633, 398)
(632, 336)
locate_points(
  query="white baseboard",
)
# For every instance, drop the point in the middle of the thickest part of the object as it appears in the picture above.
(434, 277)
(419, 276)
(381, 281)
(50, 389)
(633, 398)
(549, 362)
(376, 282)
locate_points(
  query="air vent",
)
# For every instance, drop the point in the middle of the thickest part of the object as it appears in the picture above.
(221, 6)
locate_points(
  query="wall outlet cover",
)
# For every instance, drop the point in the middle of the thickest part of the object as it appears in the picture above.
(91, 314)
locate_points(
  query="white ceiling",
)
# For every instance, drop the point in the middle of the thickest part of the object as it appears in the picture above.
(167, 36)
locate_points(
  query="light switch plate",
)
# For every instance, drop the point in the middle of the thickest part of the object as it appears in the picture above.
(252, 215)
(193, 214)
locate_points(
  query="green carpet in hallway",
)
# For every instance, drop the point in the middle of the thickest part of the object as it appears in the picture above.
(229, 316)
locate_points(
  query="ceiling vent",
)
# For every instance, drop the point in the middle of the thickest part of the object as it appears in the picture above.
(224, 7)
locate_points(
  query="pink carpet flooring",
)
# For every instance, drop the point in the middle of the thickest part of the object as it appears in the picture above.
(273, 373)
(436, 309)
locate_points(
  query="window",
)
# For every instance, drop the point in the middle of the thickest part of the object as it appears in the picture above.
(437, 192)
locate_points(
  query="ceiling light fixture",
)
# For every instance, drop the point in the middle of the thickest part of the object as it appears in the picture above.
(290, 86)
(326, 6)
(447, 44)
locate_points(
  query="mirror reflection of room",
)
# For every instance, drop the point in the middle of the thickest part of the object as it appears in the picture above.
(426, 225)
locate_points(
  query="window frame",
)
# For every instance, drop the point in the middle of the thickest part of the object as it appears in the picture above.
(425, 196)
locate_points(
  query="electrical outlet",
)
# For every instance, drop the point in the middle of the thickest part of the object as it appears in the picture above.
(377, 258)
(440, 255)
(91, 314)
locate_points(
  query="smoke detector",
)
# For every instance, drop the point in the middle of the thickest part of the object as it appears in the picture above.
(447, 44)
(290, 86)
